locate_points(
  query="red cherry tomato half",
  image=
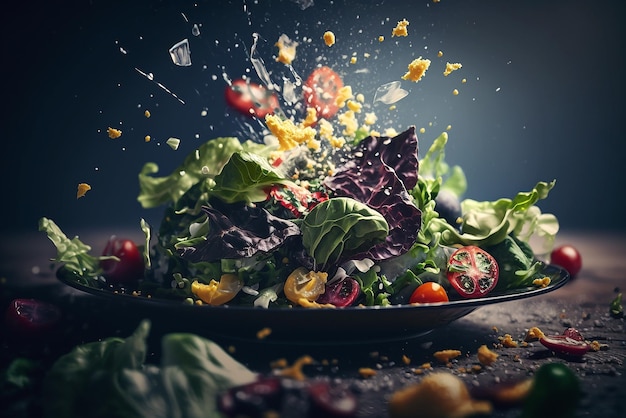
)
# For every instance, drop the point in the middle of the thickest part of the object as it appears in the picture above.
(472, 271)
(32, 317)
(129, 268)
(429, 292)
(567, 344)
(251, 99)
(321, 90)
(567, 257)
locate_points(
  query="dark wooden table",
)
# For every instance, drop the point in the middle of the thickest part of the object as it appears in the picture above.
(583, 303)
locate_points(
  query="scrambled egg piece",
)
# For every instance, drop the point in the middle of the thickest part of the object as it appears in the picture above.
(311, 117)
(451, 67)
(533, 334)
(344, 94)
(286, 49)
(486, 357)
(400, 29)
(83, 188)
(507, 341)
(288, 134)
(416, 69)
(543, 282)
(114, 133)
(445, 356)
(329, 38)
(349, 121)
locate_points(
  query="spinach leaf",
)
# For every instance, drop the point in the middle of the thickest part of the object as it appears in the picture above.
(517, 264)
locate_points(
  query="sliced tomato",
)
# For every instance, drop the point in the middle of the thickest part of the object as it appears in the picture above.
(321, 90)
(251, 99)
(429, 292)
(32, 317)
(472, 271)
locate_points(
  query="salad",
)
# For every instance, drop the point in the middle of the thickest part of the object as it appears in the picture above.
(324, 212)
(364, 224)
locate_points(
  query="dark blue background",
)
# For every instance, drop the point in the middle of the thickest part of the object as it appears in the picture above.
(543, 98)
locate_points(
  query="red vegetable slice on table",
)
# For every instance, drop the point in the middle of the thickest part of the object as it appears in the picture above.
(130, 266)
(472, 271)
(32, 317)
(251, 99)
(321, 90)
(429, 292)
(571, 343)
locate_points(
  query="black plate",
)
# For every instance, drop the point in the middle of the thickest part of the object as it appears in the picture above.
(300, 325)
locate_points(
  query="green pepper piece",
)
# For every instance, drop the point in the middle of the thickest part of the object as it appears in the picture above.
(554, 393)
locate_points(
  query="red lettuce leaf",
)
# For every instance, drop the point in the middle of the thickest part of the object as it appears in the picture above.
(379, 173)
(242, 232)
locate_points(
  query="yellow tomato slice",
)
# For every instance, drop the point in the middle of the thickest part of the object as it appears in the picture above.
(217, 293)
(304, 287)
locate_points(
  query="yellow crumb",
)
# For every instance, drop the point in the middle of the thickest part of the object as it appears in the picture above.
(114, 133)
(263, 333)
(486, 357)
(147, 113)
(367, 372)
(455, 92)
(507, 341)
(464, 81)
(286, 49)
(231, 349)
(451, 67)
(445, 356)
(349, 121)
(406, 360)
(400, 29)
(533, 334)
(354, 106)
(295, 370)
(329, 38)
(370, 118)
(381, 38)
(83, 188)
(543, 282)
(416, 69)
(311, 117)
(440, 54)
(147, 138)
(344, 94)
(422, 130)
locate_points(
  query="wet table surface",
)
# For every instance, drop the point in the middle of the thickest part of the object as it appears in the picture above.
(583, 303)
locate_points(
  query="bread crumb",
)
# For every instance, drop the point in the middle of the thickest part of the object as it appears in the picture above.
(533, 334)
(445, 356)
(295, 371)
(507, 341)
(400, 29)
(451, 67)
(416, 69)
(286, 49)
(263, 333)
(114, 133)
(486, 357)
(83, 188)
(367, 372)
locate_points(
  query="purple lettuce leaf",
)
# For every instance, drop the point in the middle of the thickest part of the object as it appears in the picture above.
(242, 232)
(379, 174)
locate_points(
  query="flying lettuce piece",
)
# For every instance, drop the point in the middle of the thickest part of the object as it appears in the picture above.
(379, 174)
(341, 227)
(245, 178)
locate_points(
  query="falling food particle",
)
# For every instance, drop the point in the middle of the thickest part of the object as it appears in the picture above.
(422, 130)
(366, 372)
(114, 133)
(448, 127)
(195, 30)
(451, 67)
(83, 188)
(329, 38)
(173, 143)
(353, 60)
(400, 29)
(263, 333)
(464, 81)
(440, 54)
(286, 49)
(390, 93)
(486, 357)
(147, 113)
(455, 92)
(147, 138)
(181, 54)
(416, 69)
(381, 38)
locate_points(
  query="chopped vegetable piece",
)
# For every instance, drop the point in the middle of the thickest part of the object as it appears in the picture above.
(304, 287)
(429, 292)
(567, 257)
(616, 308)
(217, 293)
(83, 188)
(554, 393)
(571, 343)
(321, 90)
(251, 99)
(32, 318)
(472, 271)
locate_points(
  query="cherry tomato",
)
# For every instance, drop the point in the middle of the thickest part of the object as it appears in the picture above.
(321, 90)
(129, 268)
(32, 317)
(567, 257)
(251, 99)
(429, 292)
(472, 271)
(341, 293)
